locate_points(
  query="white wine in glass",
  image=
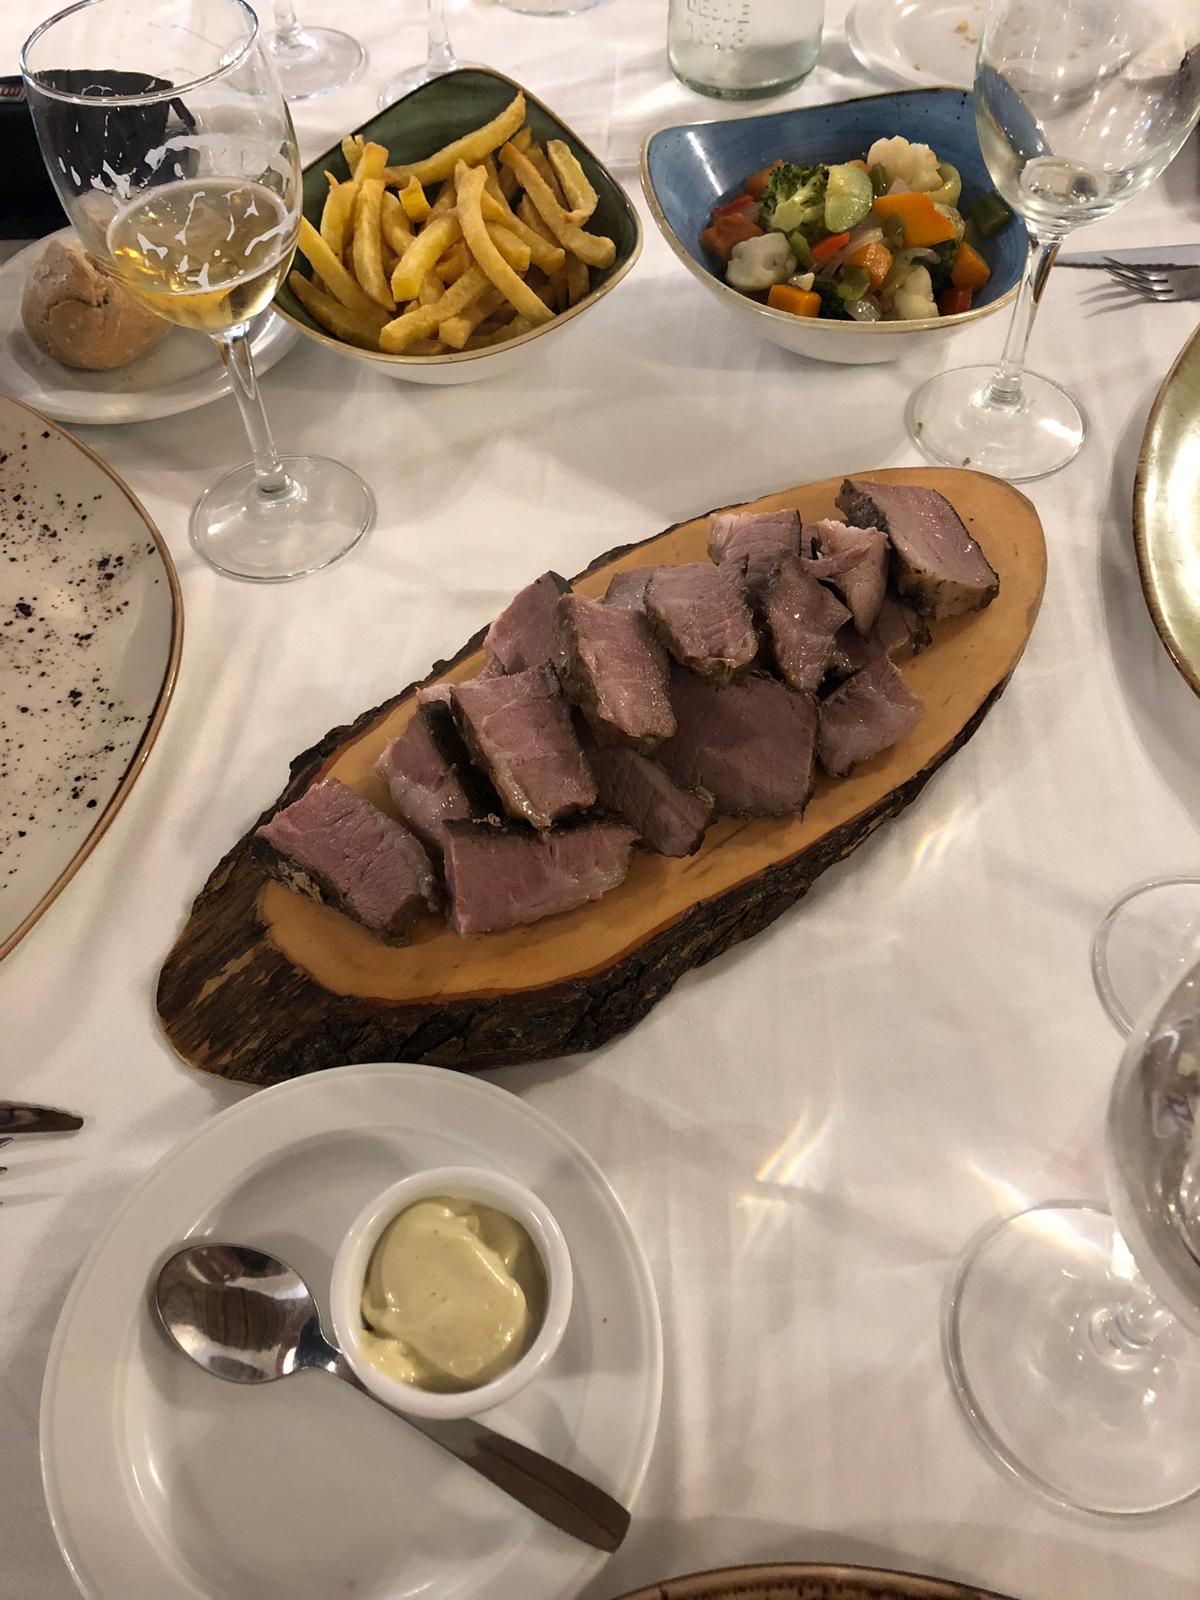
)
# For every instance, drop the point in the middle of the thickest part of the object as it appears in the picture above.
(1079, 105)
(164, 130)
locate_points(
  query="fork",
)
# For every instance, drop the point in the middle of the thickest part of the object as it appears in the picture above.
(1156, 283)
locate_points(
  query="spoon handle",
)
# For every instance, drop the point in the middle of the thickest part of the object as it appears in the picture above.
(557, 1495)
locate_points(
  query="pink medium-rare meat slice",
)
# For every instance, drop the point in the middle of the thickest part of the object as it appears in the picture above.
(522, 636)
(868, 713)
(669, 820)
(800, 618)
(425, 787)
(936, 565)
(628, 589)
(899, 631)
(499, 878)
(518, 729)
(334, 846)
(749, 744)
(758, 539)
(699, 611)
(615, 671)
(863, 582)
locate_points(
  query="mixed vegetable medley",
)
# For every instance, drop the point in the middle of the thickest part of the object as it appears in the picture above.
(863, 240)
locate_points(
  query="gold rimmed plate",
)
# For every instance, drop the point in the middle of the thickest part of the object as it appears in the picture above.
(1166, 512)
(810, 1580)
(91, 630)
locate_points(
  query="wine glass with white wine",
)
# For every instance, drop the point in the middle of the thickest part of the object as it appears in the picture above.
(1079, 105)
(186, 188)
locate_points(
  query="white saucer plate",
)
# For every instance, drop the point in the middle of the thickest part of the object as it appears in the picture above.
(930, 44)
(182, 372)
(163, 1481)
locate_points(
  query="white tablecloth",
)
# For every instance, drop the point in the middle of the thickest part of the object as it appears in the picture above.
(806, 1132)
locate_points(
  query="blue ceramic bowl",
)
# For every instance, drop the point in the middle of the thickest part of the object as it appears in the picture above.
(689, 169)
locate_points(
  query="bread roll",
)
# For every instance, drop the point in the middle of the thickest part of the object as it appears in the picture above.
(82, 318)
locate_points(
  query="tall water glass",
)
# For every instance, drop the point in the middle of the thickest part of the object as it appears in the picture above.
(743, 49)
(188, 192)
(1079, 105)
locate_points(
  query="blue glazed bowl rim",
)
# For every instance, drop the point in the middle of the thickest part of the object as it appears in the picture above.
(720, 287)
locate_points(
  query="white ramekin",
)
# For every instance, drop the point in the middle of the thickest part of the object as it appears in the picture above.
(350, 1270)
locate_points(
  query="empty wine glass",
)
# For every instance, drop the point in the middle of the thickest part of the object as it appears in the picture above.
(312, 61)
(1079, 105)
(171, 147)
(1072, 1336)
(439, 57)
(1145, 936)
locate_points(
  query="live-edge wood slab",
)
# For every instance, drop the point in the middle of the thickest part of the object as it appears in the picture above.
(263, 984)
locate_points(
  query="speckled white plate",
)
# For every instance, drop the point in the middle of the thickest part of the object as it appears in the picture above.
(164, 1483)
(927, 43)
(91, 627)
(179, 374)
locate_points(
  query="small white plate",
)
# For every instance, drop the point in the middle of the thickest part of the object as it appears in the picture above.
(183, 370)
(91, 627)
(163, 1481)
(928, 43)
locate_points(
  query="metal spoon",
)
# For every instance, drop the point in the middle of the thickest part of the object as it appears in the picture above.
(248, 1318)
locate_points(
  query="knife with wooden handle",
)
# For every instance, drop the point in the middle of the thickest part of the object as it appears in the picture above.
(16, 1118)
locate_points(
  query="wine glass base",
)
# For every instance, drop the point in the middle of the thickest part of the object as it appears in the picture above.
(1147, 936)
(951, 420)
(405, 82)
(247, 535)
(315, 61)
(1083, 1419)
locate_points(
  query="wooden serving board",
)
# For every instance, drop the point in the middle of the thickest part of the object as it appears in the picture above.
(263, 984)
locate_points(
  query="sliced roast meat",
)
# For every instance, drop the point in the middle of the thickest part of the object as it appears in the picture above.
(749, 744)
(628, 589)
(522, 636)
(758, 539)
(498, 878)
(935, 562)
(669, 820)
(900, 631)
(615, 670)
(869, 712)
(435, 707)
(800, 618)
(850, 653)
(700, 613)
(518, 729)
(334, 846)
(862, 582)
(424, 786)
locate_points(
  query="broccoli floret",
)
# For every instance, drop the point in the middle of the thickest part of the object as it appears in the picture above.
(795, 199)
(832, 304)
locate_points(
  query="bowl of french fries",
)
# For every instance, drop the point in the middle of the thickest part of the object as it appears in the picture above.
(453, 230)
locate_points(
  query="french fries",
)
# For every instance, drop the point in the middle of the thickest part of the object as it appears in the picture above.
(593, 248)
(469, 247)
(469, 150)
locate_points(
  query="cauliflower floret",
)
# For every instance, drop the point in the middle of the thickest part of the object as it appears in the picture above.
(914, 297)
(911, 167)
(759, 263)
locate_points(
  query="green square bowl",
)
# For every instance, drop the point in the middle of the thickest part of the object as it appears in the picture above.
(425, 120)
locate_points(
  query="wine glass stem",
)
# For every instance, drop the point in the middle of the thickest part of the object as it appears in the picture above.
(440, 57)
(271, 479)
(287, 27)
(1004, 388)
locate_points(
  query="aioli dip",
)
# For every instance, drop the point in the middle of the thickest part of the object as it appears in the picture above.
(454, 1295)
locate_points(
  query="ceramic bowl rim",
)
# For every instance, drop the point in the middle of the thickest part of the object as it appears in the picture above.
(559, 320)
(350, 1265)
(785, 318)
